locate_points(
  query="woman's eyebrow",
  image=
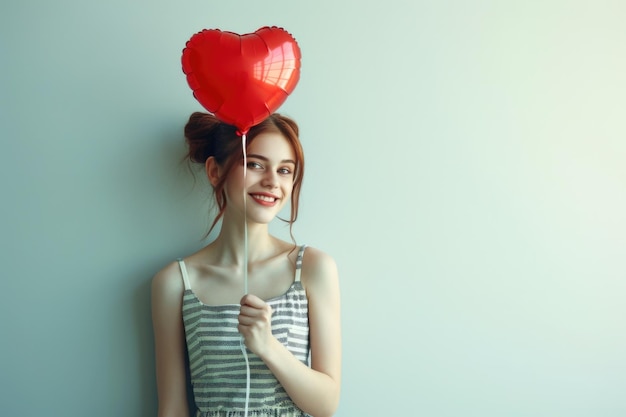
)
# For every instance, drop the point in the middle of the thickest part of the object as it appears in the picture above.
(263, 158)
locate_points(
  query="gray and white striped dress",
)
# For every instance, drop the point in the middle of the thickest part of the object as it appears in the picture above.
(216, 362)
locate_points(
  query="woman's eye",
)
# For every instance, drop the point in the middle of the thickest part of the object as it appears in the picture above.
(284, 171)
(254, 165)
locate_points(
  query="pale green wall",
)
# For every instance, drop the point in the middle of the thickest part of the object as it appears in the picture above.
(466, 167)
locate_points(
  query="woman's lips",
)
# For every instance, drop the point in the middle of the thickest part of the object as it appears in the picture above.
(265, 199)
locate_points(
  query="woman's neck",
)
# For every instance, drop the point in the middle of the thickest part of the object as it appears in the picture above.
(230, 244)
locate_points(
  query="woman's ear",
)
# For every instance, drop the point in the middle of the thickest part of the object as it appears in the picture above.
(212, 170)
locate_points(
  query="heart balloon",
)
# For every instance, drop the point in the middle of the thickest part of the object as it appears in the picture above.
(242, 79)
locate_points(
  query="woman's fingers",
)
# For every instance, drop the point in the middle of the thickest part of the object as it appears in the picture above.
(253, 307)
(252, 301)
(255, 322)
(250, 311)
(254, 311)
(249, 320)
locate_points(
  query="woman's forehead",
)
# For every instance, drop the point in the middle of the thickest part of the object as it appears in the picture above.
(271, 145)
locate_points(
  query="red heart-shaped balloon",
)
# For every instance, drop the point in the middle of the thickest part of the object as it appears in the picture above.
(242, 79)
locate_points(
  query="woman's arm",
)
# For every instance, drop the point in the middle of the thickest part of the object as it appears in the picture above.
(169, 340)
(315, 390)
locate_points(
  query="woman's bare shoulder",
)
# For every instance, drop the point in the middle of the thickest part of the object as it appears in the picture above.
(168, 280)
(170, 277)
(318, 267)
(317, 257)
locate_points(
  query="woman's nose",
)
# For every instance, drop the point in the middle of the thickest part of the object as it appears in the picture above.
(270, 179)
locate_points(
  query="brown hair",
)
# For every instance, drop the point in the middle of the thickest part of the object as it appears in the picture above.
(206, 136)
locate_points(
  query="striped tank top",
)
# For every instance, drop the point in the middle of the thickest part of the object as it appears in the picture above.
(216, 362)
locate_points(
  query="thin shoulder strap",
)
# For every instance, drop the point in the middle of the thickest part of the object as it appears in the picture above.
(183, 271)
(299, 262)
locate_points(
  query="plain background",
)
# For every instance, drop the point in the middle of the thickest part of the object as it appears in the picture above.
(465, 167)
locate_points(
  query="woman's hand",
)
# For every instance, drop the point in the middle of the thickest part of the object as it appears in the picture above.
(255, 324)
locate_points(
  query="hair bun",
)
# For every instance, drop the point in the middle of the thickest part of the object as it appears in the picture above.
(202, 131)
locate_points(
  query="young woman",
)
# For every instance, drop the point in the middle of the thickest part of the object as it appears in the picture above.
(289, 320)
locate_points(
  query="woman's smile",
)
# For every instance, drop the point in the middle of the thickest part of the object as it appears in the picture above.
(265, 199)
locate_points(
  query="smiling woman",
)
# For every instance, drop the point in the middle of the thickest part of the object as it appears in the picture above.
(288, 320)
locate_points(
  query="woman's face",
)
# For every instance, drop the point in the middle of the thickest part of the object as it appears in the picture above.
(271, 164)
